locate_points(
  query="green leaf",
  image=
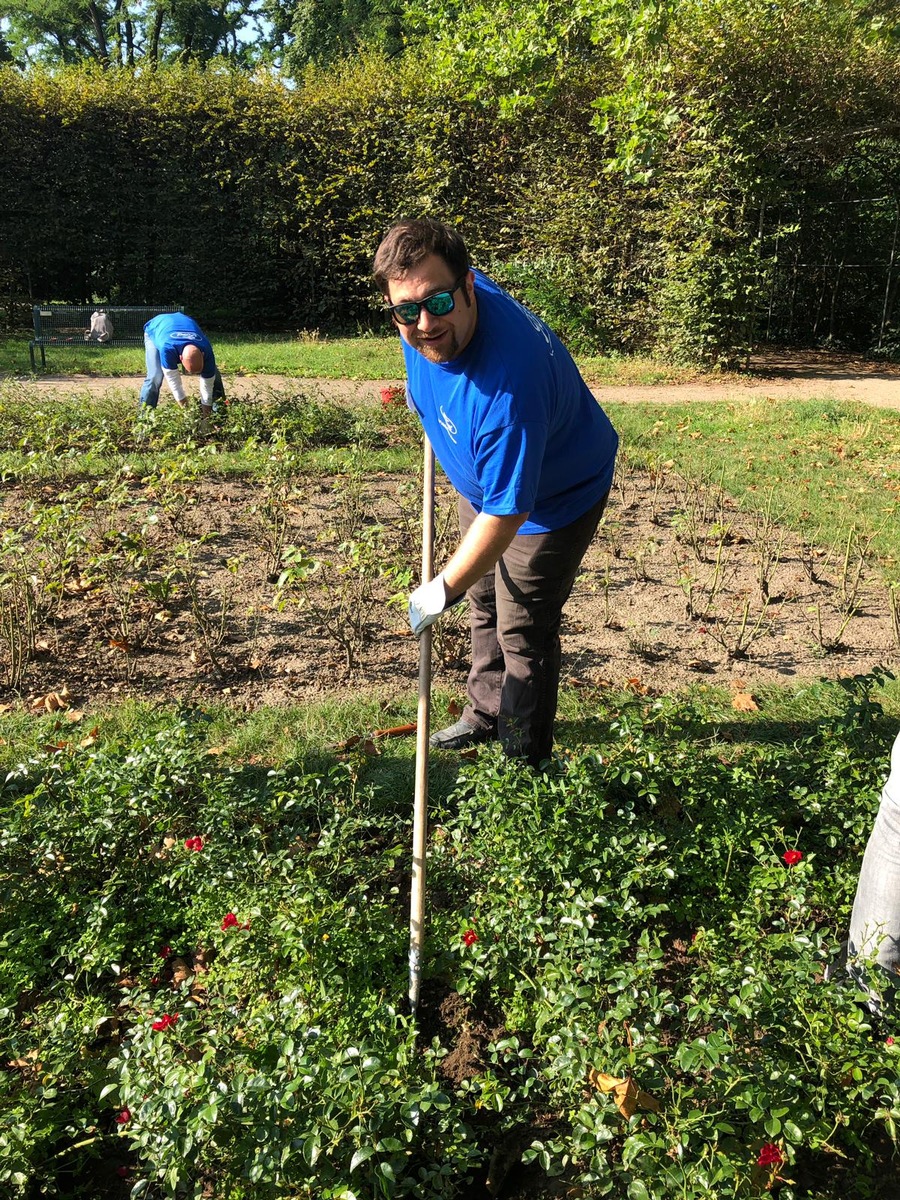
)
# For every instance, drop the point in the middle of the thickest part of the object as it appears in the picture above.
(360, 1156)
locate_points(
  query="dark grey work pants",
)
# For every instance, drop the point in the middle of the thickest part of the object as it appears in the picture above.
(515, 612)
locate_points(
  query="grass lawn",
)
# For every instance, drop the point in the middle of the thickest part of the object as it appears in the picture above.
(300, 356)
(820, 466)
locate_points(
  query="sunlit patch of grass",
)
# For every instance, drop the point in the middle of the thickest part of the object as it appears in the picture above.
(823, 466)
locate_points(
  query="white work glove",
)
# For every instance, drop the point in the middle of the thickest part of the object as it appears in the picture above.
(427, 603)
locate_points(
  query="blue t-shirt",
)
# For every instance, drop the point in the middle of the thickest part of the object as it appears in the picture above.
(511, 421)
(171, 332)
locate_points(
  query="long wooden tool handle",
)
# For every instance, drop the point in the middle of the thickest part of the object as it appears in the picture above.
(423, 725)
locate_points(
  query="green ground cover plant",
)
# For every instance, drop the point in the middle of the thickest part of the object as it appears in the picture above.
(204, 961)
(79, 435)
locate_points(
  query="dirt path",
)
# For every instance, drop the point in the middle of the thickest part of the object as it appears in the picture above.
(800, 374)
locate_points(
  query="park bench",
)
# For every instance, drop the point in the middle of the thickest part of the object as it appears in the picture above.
(67, 325)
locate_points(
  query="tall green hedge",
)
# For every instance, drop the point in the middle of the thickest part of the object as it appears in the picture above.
(259, 205)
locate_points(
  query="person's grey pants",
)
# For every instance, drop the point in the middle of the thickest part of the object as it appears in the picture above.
(515, 615)
(875, 922)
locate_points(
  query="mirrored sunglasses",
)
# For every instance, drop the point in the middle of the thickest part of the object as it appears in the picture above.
(438, 305)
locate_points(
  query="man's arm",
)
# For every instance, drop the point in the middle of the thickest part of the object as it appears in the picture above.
(478, 552)
(480, 549)
(176, 387)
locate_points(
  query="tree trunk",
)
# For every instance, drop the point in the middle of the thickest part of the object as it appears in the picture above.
(153, 52)
(99, 32)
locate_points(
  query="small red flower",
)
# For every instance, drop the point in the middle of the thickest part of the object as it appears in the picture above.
(154, 982)
(889, 1041)
(193, 843)
(165, 951)
(165, 1022)
(792, 857)
(470, 937)
(124, 1117)
(770, 1156)
(229, 921)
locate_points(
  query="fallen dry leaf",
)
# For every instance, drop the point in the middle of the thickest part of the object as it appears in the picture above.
(700, 664)
(744, 702)
(454, 709)
(90, 739)
(74, 715)
(52, 702)
(626, 1093)
(118, 644)
(181, 972)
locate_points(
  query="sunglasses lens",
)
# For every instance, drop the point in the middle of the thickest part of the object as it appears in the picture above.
(439, 305)
(407, 314)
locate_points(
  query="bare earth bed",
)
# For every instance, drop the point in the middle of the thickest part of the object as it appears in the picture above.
(178, 601)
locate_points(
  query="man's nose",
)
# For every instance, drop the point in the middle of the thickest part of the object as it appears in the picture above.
(426, 320)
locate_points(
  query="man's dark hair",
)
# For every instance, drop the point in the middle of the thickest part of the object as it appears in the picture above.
(409, 242)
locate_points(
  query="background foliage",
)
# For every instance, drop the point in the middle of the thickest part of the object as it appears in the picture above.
(686, 176)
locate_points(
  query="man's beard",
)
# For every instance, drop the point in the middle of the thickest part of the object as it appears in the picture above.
(449, 348)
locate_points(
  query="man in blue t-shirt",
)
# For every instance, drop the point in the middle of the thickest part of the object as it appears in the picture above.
(530, 453)
(172, 340)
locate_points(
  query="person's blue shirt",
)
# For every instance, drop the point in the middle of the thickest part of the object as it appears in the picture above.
(171, 332)
(510, 419)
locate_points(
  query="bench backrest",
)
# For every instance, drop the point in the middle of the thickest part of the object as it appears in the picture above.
(56, 324)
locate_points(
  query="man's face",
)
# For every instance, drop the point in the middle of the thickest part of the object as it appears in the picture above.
(439, 339)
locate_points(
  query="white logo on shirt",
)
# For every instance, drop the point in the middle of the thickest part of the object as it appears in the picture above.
(537, 324)
(448, 425)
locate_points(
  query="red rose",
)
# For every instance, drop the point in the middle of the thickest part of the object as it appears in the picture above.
(229, 921)
(470, 937)
(770, 1156)
(792, 857)
(165, 951)
(165, 1022)
(124, 1117)
(193, 843)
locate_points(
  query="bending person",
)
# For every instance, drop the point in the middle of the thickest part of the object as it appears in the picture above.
(531, 455)
(172, 340)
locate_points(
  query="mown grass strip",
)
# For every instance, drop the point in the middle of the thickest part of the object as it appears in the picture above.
(305, 357)
(822, 466)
